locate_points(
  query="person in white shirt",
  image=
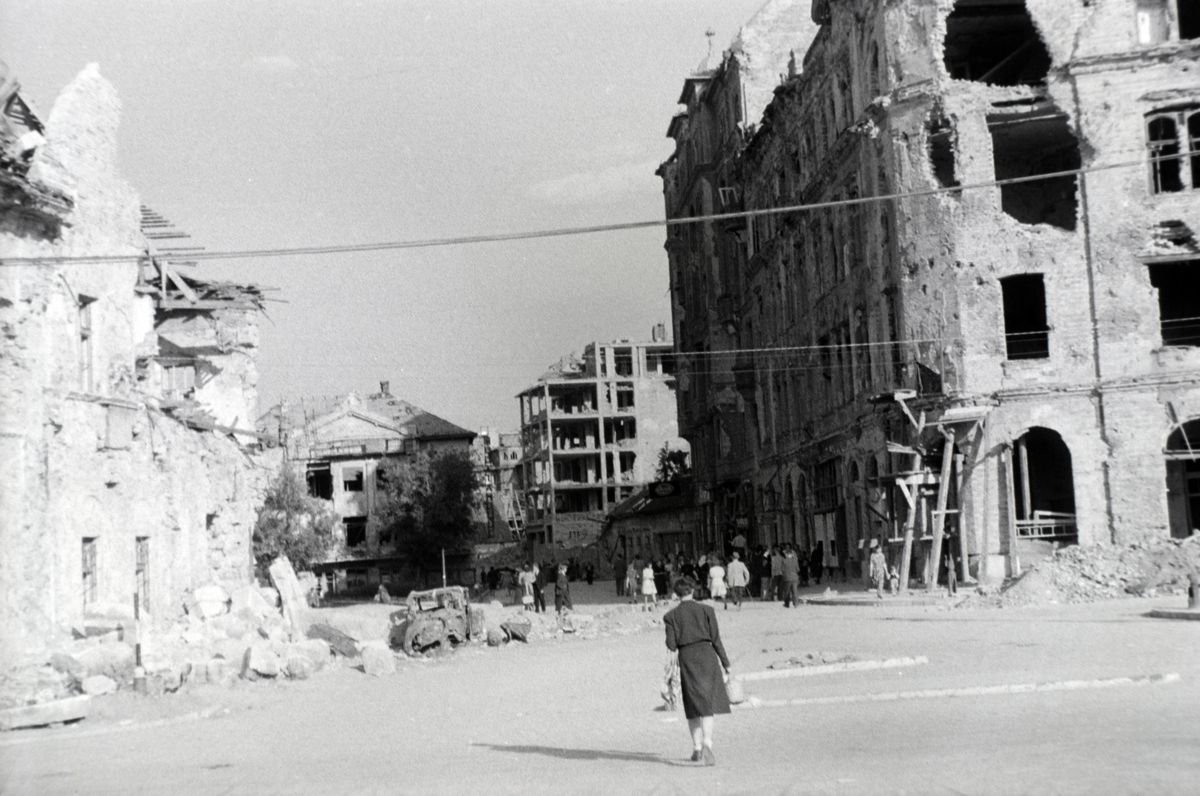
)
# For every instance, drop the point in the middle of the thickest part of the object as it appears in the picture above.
(738, 578)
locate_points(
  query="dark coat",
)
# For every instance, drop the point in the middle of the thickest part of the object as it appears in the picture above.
(692, 631)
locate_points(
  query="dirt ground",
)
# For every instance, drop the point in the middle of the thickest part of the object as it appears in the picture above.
(578, 715)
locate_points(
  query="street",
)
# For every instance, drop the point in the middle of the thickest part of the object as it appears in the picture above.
(579, 716)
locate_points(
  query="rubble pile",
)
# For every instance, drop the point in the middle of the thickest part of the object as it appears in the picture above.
(1081, 574)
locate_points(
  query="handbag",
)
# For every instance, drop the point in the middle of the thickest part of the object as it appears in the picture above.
(734, 690)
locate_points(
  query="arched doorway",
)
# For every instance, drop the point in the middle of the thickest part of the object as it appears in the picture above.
(1043, 485)
(1183, 479)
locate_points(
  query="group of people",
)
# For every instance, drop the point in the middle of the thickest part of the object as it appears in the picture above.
(532, 582)
(649, 581)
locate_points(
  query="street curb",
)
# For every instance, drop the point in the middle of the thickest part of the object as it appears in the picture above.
(886, 602)
(1175, 613)
(987, 690)
(35, 735)
(830, 668)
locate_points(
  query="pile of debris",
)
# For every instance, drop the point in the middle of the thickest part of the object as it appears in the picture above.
(1081, 574)
(248, 633)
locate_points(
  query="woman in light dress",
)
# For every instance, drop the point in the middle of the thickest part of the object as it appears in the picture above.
(649, 591)
(716, 579)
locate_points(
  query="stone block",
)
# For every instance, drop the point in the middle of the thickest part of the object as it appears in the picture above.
(249, 603)
(299, 667)
(207, 601)
(575, 623)
(260, 661)
(315, 649)
(39, 715)
(377, 659)
(98, 685)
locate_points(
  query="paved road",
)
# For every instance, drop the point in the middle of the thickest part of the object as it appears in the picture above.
(577, 716)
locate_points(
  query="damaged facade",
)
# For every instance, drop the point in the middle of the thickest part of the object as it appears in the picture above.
(967, 336)
(337, 444)
(115, 487)
(591, 431)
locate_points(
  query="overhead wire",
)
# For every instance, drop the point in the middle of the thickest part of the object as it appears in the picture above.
(557, 232)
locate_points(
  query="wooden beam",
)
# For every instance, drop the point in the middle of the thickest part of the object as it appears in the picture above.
(939, 515)
(183, 286)
(959, 461)
(910, 523)
(1006, 455)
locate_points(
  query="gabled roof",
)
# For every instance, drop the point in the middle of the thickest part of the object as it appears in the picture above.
(383, 408)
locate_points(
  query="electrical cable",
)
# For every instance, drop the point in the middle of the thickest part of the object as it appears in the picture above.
(301, 251)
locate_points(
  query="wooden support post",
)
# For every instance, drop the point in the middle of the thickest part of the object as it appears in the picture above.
(1011, 504)
(1023, 461)
(939, 516)
(910, 522)
(964, 564)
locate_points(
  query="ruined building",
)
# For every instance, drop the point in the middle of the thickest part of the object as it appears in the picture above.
(129, 465)
(591, 431)
(337, 444)
(989, 325)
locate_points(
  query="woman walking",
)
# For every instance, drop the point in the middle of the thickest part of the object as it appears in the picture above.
(692, 631)
(649, 592)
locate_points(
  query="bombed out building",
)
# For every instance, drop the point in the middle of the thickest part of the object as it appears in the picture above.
(131, 471)
(983, 325)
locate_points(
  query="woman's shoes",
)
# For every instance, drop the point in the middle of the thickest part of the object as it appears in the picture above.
(707, 755)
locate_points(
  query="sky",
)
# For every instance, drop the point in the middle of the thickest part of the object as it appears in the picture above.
(257, 124)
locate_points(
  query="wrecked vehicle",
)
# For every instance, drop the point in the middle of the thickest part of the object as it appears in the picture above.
(433, 619)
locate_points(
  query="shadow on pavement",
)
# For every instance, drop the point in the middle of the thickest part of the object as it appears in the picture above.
(576, 754)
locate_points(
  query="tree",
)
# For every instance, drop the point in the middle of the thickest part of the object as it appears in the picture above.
(292, 524)
(426, 505)
(672, 464)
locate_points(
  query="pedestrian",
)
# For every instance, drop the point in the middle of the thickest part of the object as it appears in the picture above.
(738, 577)
(631, 580)
(649, 591)
(562, 591)
(789, 575)
(589, 573)
(878, 568)
(816, 560)
(691, 629)
(894, 580)
(539, 589)
(526, 579)
(716, 581)
(776, 573)
(951, 569)
(619, 574)
(660, 579)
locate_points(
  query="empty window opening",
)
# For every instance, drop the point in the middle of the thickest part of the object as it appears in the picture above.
(941, 149)
(995, 42)
(1178, 286)
(623, 361)
(1173, 144)
(1026, 335)
(356, 531)
(352, 479)
(90, 578)
(86, 356)
(1043, 486)
(1031, 145)
(1183, 479)
(1189, 19)
(1152, 20)
(142, 570)
(320, 480)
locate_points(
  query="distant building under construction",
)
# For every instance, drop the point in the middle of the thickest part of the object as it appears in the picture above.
(989, 323)
(591, 431)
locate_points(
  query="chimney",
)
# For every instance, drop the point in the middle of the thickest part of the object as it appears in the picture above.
(383, 387)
